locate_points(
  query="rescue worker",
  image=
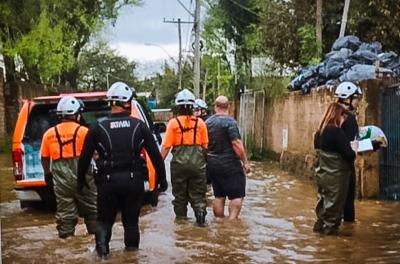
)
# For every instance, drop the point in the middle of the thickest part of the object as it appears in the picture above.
(200, 109)
(227, 162)
(335, 158)
(62, 145)
(187, 136)
(122, 177)
(348, 95)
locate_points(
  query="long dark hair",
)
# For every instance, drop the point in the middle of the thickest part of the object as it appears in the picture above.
(332, 116)
(186, 110)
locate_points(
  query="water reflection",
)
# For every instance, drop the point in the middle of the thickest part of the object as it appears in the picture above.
(275, 227)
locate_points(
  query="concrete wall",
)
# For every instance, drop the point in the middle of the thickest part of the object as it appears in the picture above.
(299, 116)
(2, 109)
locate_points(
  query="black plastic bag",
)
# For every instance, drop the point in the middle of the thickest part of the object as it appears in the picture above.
(364, 57)
(359, 72)
(334, 67)
(311, 83)
(348, 42)
(375, 47)
(334, 82)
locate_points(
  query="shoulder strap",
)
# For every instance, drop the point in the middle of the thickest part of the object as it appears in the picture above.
(74, 139)
(181, 128)
(60, 143)
(195, 131)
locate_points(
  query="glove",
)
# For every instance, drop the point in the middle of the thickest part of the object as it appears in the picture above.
(162, 186)
(48, 178)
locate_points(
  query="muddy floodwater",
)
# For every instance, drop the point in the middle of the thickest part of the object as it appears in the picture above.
(275, 227)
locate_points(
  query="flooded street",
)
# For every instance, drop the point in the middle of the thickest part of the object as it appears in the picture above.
(275, 227)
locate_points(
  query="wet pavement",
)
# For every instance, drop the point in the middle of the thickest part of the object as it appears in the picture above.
(275, 227)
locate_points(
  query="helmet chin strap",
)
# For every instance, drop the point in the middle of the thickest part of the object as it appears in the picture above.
(69, 117)
(350, 105)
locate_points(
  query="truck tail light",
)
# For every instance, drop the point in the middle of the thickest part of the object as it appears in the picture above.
(143, 154)
(18, 164)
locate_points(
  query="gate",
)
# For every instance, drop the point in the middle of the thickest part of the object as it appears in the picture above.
(389, 180)
(251, 118)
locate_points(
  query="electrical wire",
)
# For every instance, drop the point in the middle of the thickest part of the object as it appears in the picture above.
(244, 7)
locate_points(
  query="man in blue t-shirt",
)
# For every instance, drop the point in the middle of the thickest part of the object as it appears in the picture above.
(227, 163)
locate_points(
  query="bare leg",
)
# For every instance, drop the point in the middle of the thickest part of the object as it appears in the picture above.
(218, 207)
(235, 206)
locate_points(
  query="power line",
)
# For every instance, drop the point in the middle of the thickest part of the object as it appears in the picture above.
(184, 7)
(244, 7)
(189, 31)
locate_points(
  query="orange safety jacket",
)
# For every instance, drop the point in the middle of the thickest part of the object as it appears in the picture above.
(63, 141)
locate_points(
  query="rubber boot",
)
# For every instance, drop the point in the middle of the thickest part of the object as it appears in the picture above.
(201, 218)
(318, 226)
(131, 238)
(102, 239)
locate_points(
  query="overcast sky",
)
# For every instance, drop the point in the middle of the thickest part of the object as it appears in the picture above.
(137, 26)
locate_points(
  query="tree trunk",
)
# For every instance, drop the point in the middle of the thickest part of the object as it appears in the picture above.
(318, 25)
(10, 68)
(69, 79)
(31, 72)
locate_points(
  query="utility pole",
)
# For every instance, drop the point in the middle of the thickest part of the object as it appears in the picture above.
(179, 22)
(108, 84)
(197, 49)
(218, 76)
(180, 55)
(205, 85)
(344, 18)
(318, 26)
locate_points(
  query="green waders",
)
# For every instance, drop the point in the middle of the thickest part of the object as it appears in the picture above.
(70, 203)
(189, 180)
(332, 178)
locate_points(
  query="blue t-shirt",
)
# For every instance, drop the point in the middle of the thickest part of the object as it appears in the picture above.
(222, 130)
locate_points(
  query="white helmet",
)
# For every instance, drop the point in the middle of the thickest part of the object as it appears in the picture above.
(347, 89)
(185, 97)
(120, 92)
(69, 105)
(199, 103)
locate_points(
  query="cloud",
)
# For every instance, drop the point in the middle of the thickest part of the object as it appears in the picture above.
(145, 24)
(147, 53)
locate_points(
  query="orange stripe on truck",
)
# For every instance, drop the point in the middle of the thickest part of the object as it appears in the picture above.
(39, 183)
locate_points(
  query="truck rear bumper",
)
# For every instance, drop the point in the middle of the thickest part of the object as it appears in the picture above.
(27, 195)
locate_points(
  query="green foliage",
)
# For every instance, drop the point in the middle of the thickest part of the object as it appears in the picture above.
(258, 154)
(310, 51)
(280, 23)
(97, 62)
(166, 87)
(216, 83)
(273, 86)
(287, 30)
(44, 48)
(233, 24)
(373, 20)
(48, 35)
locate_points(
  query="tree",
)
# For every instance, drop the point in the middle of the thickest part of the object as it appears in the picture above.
(48, 35)
(372, 20)
(101, 64)
(232, 30)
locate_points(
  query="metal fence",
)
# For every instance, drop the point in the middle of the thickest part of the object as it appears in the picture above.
(390, 156)
(252, 118)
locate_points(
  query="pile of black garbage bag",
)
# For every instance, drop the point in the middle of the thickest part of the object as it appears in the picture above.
(349, 60)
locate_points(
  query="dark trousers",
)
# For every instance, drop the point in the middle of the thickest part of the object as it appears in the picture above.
(121, 193)
(349, 210)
